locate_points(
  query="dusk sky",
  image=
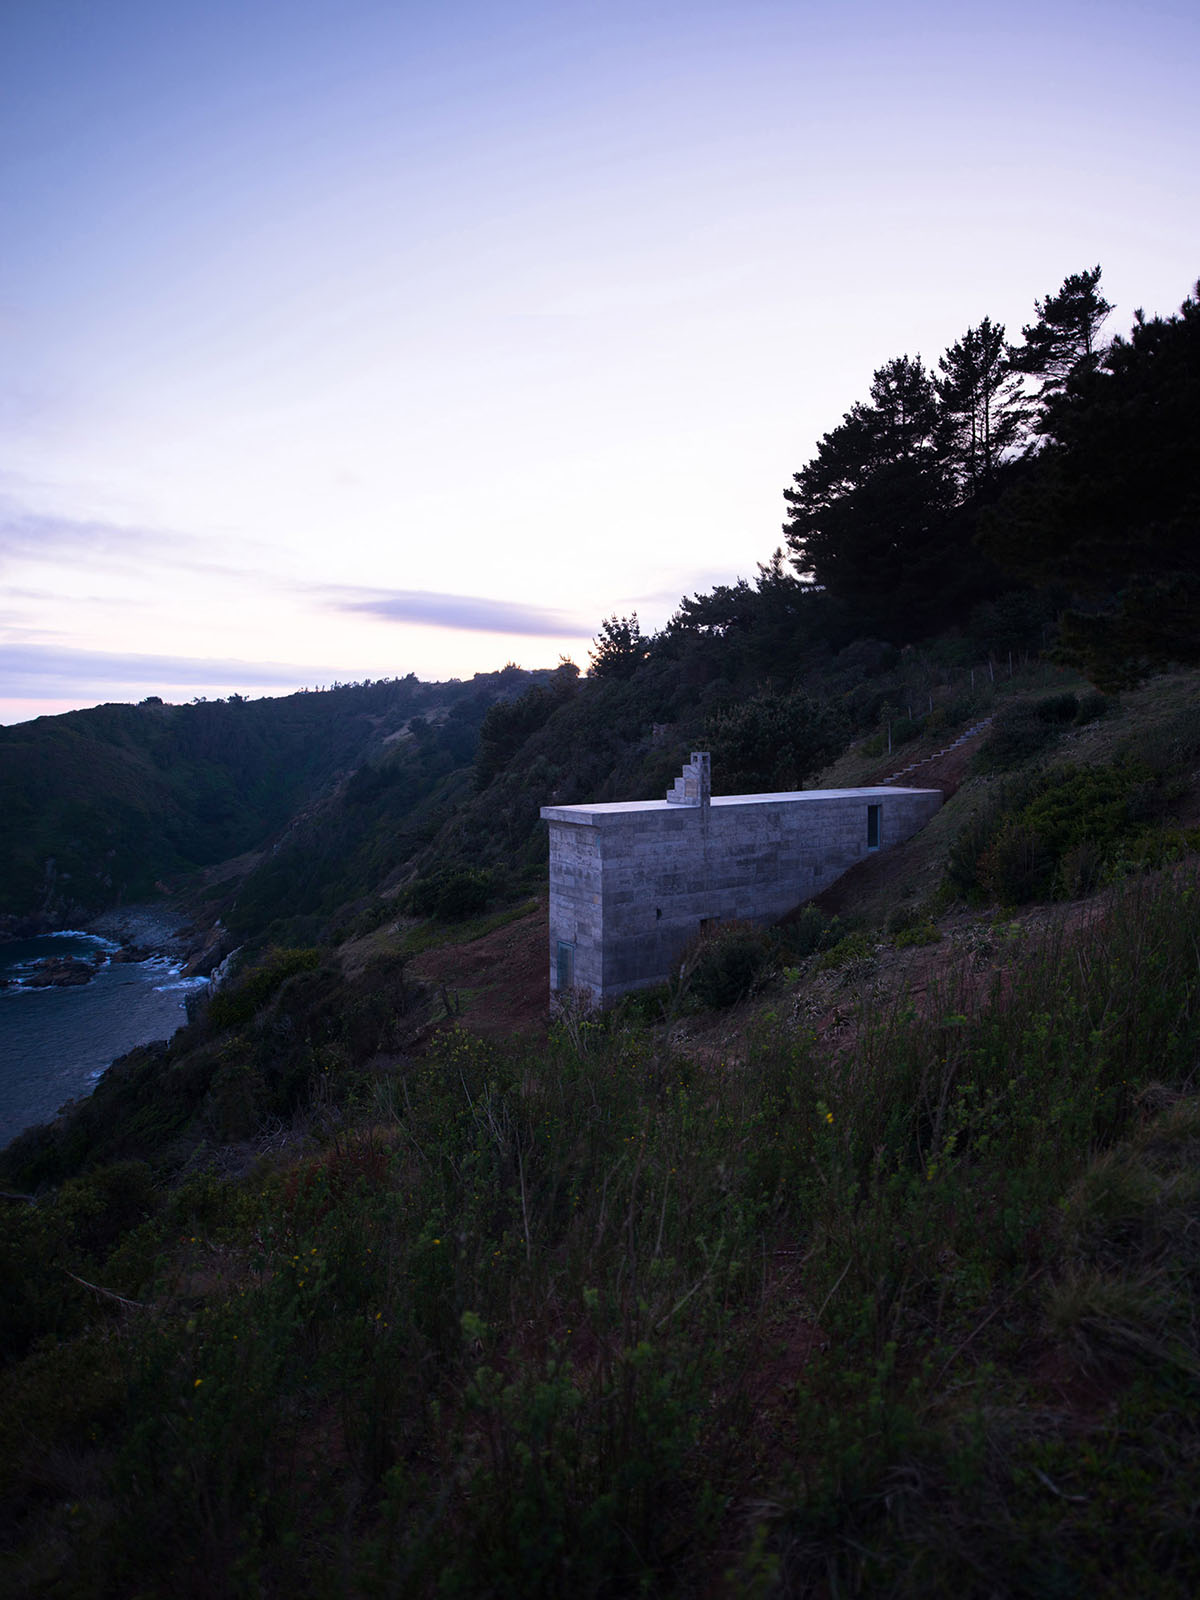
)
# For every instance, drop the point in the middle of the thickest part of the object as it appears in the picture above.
(348, 340)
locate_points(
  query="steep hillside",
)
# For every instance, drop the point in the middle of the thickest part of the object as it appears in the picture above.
(876, 1280)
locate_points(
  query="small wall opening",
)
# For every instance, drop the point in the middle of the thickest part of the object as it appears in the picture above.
(564, 977)
(873, 814)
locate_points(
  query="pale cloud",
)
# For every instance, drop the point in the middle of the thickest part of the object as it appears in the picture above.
(36, 671)
(460, 612)
(53, 538)
(27, 535)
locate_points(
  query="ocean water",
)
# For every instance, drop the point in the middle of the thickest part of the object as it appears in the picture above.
(55, 1043)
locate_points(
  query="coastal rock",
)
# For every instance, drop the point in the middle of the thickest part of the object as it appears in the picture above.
(132, 952)
(62, 972)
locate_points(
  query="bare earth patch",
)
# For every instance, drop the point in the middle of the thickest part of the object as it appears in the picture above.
(499, 984)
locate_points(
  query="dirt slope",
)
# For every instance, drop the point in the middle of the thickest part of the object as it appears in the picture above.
(497, 985)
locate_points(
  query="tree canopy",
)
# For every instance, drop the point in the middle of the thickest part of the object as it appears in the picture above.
(619, 648)
(873, 516)
(1112, 507)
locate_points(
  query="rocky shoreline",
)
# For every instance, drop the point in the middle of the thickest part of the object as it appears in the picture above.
(138, 933)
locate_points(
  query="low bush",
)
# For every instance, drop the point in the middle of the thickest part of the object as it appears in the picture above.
(1017, 866)
(852, 947)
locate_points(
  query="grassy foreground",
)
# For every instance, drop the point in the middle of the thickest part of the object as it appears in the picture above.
(922, 1317)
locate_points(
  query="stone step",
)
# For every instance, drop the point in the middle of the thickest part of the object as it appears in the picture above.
(915, 766)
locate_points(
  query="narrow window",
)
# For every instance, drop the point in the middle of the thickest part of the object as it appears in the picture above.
(565, 976)
(873, 827)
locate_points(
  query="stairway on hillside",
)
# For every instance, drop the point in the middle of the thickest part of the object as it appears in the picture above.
(970, 733)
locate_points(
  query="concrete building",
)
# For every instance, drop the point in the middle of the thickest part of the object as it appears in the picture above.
(632, 883)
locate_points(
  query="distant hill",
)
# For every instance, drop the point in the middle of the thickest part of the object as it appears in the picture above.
(101, 806)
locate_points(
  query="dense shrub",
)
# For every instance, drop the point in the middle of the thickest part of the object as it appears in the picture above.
(809, 930)
(901, 918)
(851, 948)
(1018, 733)
(97, 1207)
(460, 892)
(773, 741)
(728, 964)
(1054, 834)
(1017, 866)
(1057, 708)
(235, 1005)
(980, 828)
(1092, 706)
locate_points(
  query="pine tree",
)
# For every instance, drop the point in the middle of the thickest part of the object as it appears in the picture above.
(983, 412)
(872, 516)
(1064, 341)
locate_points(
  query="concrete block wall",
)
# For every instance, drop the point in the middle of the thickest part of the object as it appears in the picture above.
(633, 883)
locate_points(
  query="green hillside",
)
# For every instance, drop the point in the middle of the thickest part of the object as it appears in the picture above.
(877, 1281)
(105, 805)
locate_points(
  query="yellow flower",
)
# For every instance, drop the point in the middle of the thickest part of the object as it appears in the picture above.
(829, 1116)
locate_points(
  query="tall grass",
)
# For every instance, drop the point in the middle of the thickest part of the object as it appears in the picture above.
(604, 1319)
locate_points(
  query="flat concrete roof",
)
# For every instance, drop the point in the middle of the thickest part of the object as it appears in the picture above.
(605, 810)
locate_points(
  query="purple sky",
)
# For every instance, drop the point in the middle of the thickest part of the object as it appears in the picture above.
(354, 339)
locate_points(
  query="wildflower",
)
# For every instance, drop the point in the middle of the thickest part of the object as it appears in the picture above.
(197, 1383)
(829, 1116)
